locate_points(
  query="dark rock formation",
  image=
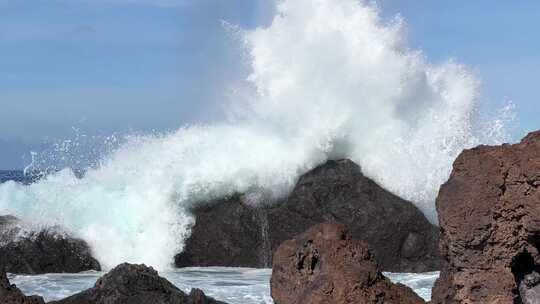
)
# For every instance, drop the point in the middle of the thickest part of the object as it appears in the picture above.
(49, 250)
(400, 236)
(324, 265)
(10, 294)
(135, 284)
(232, 233)
(227, 233)
(489, 212)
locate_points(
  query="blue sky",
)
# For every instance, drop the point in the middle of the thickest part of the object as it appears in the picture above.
(107, 66)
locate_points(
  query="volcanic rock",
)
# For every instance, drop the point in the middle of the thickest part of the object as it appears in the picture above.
(489, 214)
(228, 232)
(231, 232)
(325, 265)
(400, 236)
(135, 284)
(10, 294)
(49, 250)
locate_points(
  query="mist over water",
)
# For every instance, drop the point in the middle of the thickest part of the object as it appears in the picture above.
(329, 79)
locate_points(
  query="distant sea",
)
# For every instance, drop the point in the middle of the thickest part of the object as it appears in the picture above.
(18, 176)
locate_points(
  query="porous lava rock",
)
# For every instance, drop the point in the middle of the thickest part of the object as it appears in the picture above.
(325, 265)
(489, 215)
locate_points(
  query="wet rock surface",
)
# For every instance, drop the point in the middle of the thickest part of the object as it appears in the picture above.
(136, 284)
(231, 232)
(10, 294)
(489, 213)
(325, 265)
(228, 232)
(50, 250)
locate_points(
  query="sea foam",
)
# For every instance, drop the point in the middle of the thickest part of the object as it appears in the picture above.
(328, 79)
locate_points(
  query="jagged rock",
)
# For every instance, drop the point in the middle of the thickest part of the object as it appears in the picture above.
(231, 232)
(135, 284)
(400, 236)
(10, 294)
(50, 250)
(489, 213)
(325, 265)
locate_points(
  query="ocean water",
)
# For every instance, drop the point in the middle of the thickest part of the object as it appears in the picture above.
(17, 176)
(325, 79)
(232, 285)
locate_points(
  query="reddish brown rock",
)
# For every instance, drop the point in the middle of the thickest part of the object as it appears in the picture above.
(489, 214)
(324, 265)
(10, 294)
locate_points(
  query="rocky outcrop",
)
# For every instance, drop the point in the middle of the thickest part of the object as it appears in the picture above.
(10, 294)
(228, 232)
(325, 265)
(231, 232)
(136, 284)
(489, 214)
(400, 236)
(50, 250)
